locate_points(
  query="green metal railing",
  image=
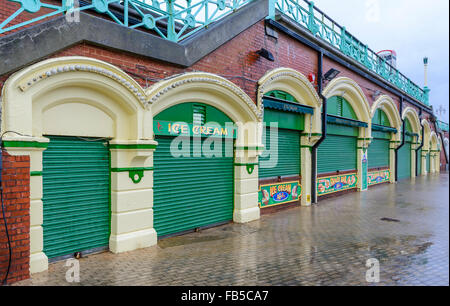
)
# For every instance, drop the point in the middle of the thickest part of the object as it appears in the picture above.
(442, 126)
(175, 20)
(320, 25)
(171, 19)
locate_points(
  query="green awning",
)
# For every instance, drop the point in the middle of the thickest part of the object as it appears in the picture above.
(278, 104)
(345, 121)
(382, 128)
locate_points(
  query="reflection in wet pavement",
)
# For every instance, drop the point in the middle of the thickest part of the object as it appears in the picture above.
(327, 244)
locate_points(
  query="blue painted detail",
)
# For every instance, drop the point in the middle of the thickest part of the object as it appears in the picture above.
(101, 6)
(149, 22)
(281, 196)
(338, 186)
(30, 6)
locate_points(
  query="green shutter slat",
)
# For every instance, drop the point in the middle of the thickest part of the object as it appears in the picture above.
(288, 154)
(337, 153)
(378, 153)
(76, 186)
(191, 192)
(404, 161)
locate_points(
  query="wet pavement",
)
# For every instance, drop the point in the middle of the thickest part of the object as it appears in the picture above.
(328, 244)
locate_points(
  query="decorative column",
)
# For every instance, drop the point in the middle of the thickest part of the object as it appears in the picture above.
(307, 141)
(423, 160)
(362, 163)
(413, 162)
(246, 206)
(132, 195)
(33, 147)
(392, 147)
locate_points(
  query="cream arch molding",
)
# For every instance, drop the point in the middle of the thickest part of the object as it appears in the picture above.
(413, 118)
(387, 105)
(427, 135)
(297, 85)
(350, 90)
(290, 81)
(434, 142)
(55, 89)
(213, 90)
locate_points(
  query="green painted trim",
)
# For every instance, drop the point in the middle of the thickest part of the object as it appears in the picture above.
(248, 148)
(312, 134)
(395, 141)
(132, 146)
(304, 146)
(25, 144)
(36, 173)
(132, 169)
(361, 148)
(364, 138)
(132, 172)
(250, 167)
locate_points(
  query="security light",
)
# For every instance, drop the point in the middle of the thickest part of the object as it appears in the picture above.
(266, 54)
(331, 74)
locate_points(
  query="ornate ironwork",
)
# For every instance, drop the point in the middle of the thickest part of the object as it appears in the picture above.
(177, 19)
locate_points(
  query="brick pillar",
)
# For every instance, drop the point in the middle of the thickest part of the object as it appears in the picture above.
(16, 200)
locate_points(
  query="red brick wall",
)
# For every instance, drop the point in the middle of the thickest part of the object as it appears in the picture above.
(16, 200)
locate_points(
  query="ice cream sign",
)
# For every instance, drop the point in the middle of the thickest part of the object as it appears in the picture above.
(281, 193)
(166, 128)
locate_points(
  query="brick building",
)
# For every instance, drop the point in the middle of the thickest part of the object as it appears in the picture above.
(274, 111)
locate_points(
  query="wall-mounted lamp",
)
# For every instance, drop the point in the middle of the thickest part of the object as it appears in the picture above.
(331, 74)
(266, 54)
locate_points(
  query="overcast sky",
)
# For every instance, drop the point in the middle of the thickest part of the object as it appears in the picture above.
(413, 28)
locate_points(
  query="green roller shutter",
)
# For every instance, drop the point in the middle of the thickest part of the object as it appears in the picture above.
(404, 161)
(76, 186)
(337, 153)
(379, 153)
(288, 160)
(191, 192)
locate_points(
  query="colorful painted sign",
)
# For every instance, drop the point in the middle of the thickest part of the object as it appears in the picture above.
(279, 193)
(332, 184)
(166, 128)
(365, 170)
(379, 177)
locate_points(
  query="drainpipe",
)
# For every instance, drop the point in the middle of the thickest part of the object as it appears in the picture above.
(324, 130)
(403, 139)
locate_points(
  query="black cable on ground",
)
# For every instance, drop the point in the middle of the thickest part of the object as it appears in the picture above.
(4, 218)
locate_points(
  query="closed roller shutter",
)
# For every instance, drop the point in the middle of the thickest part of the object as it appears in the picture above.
(379, 153)
(337, 153)
(288, 161)
(76, 185)
(404, 161)
(190, 192)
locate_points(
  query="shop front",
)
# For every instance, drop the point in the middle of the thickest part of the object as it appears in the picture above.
(337, 165)
(280, 163)
(385, 122)
(194, 168)
(206, 162)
